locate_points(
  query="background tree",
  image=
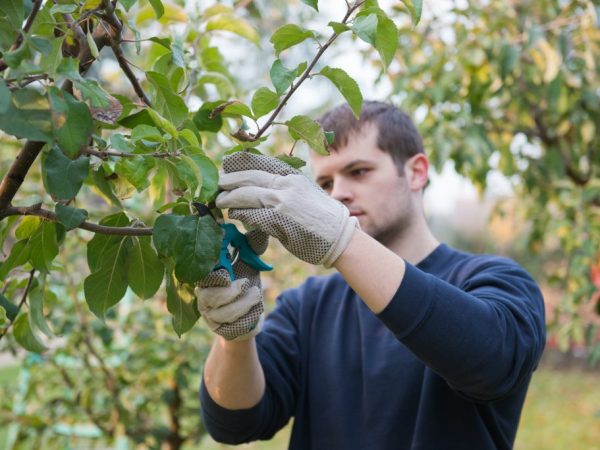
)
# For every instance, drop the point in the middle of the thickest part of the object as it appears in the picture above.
(514, 87)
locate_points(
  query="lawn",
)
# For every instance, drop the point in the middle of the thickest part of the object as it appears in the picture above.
(562, 411)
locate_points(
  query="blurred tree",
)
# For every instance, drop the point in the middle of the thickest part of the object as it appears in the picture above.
(514, 87)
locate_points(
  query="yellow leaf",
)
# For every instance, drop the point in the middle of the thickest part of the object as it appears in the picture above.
(92, 4)
(588, 132)
(548, 59)
(173, 13)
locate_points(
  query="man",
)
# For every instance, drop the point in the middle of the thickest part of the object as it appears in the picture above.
(410, 345)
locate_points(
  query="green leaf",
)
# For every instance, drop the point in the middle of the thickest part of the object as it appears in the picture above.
(5, 97)
(168, 103)
(19, 255)
(13, 11)
(106, 287)
(415, 7)
(44, 246)
(264, 101)
(339, 27)
(303, 127)
(63, 176)
(237, 109)
(233, 24)
(145, 270)
(69, 216)
(71, 121)
(127, 4)
(11, 310)
(37, 297)
(196, 248)
(365, 27)
(347, 87)
(27, 116)
(386, 39)
(293, 161)
(158, 7)
(204, 122)
(24, 335)
(163, 123)
(139, 118)
(92, 92)
(136, 170)
(3, 317)
(165, 233)
(63, 9)
(312, 3)
(27, 226)
(182, 304)
(289, 35)
(210, 177)
(100, 243)
(281, 76)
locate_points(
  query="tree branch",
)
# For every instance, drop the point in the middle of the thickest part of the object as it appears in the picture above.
(49, 215)
(21, 303)
(16, 173)
(306, 73)
(175, 440)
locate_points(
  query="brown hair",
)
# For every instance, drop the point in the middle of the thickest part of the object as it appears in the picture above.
(396, 133)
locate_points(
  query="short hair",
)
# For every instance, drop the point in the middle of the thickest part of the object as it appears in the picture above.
(396, 132)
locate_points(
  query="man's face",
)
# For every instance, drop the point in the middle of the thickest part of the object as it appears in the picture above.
(367, 181)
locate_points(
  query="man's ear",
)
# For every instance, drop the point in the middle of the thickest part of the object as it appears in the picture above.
(416, 169)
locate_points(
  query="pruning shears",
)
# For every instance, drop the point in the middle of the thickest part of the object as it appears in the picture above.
(235, 245)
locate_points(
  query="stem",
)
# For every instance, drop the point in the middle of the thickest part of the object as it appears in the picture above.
(116, 47)
(49, 215)
(21, 303)
(306, 73)
(103, 154)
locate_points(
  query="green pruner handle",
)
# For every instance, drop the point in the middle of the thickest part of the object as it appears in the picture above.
(239, 241)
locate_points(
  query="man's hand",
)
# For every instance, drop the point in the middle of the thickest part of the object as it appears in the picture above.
(267, 194)
(234, 310)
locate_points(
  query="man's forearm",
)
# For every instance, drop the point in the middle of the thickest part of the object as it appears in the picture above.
(372, 271)
(233, 375)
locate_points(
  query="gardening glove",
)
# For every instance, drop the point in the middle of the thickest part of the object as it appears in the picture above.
(234, 310)
(267, 194)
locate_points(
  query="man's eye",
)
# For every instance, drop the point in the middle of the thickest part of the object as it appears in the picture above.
(326, 186)
(359, 172)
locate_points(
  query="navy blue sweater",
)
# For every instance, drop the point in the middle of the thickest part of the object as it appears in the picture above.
(445, 366)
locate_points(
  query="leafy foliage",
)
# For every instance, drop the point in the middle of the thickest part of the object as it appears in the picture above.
(110, 165)
(514, 89)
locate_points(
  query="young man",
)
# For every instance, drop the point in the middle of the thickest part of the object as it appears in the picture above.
(410, 345)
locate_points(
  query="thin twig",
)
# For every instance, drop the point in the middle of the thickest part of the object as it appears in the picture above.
(21, 303)
(101, 229)
(306, 73)
(103, 154)
(128, 72)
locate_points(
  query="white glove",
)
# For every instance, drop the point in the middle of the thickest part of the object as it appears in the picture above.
(234, 310)
(269, 195)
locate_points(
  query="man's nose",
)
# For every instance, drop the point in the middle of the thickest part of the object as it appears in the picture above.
(342, 192)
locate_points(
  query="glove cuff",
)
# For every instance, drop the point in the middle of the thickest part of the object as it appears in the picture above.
(349, 224)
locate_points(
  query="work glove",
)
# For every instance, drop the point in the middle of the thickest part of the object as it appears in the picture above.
(269, 195)
(234, 309)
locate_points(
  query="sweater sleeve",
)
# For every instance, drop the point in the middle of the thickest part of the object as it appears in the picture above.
(484, 337)
(279, 355)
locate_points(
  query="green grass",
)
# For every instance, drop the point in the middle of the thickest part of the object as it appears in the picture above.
(562, 411)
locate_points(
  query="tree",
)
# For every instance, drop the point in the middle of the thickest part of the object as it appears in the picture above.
(514, 87)
(114, 167)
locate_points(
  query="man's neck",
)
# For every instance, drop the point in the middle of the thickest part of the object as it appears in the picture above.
(415, 244)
